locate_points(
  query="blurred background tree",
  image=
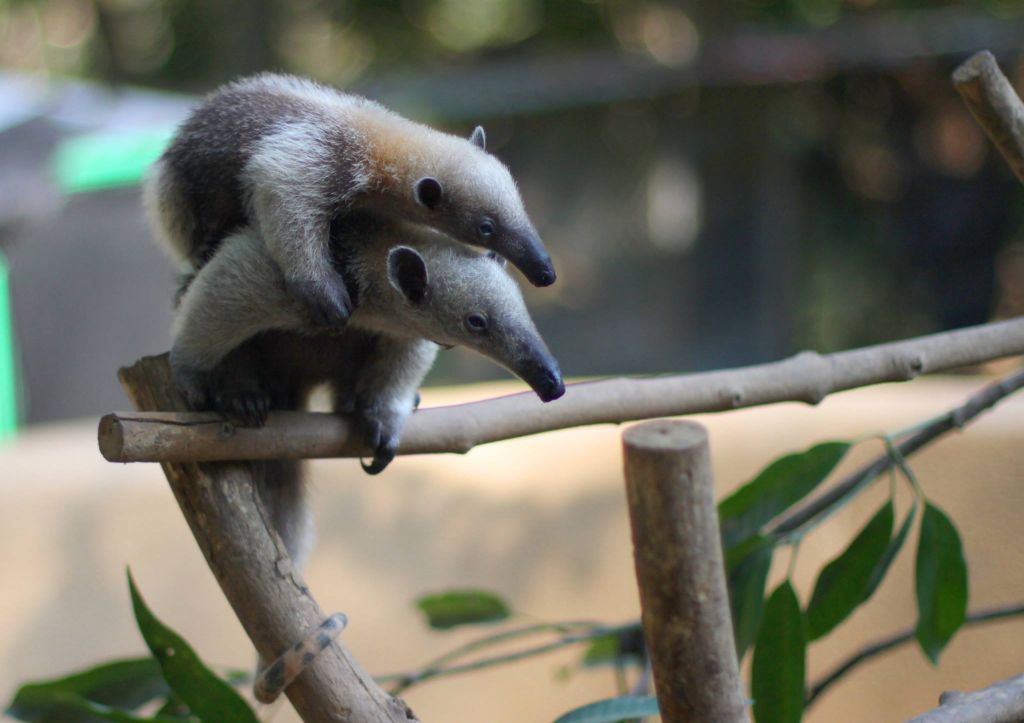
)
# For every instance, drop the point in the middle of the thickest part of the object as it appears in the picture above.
(720, 183)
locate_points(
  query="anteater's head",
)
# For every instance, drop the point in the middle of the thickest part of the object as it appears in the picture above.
(456, 296)
(469, 194)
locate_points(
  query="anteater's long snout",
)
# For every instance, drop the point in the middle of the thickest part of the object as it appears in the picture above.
(541, 372)
(527, 253)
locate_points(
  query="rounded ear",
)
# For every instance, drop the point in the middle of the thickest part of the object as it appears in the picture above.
(429, 192)
(408, 273)
(478, 138)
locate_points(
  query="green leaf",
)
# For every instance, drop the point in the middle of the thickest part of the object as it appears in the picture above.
(207, 696)
(777, 673)
(626, 646)
(941, 582)
(462, 607)
(746, 576)
(174, 707)
(779, 486)
(844, 582)
(895, 545)
(601, 651)
(64, 707)
(612, 710)
(125, 684)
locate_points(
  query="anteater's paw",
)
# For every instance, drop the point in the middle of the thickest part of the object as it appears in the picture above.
(382, 432)
(327, 304)
(193, 385)
(247, 404)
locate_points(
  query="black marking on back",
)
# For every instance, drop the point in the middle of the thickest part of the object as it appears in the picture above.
(205, 161)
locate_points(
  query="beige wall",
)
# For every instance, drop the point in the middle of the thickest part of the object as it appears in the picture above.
(540, 520)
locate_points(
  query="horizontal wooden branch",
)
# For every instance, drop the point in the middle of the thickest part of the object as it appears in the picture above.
(807, 377)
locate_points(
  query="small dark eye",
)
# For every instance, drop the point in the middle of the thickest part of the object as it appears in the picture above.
(476, 323)
(486, 228)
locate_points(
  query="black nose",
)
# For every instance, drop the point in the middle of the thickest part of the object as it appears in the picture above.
(552, 390)
(527, 253)
(547, 383)
(545, 276)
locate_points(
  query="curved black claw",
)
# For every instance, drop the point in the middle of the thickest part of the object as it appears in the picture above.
(380, 461)
(384, 445)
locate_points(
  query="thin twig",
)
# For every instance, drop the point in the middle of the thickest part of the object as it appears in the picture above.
(893, 641)
(956, 418)
(487, 641)
(806, 377)
(406, 680)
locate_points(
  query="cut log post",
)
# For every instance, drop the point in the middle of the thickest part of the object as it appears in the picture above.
(253, 569)
(679, 568)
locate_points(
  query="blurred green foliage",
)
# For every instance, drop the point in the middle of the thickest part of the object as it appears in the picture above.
(192, 44)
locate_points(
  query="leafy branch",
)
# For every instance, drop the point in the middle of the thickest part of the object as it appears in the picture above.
(760, 530)
(924, 434)
(441, 666)
(174, 677)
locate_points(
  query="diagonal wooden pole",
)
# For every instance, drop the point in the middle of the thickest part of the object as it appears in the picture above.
(253, 569)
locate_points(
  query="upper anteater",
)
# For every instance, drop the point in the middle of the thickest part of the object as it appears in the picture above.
(287, 157)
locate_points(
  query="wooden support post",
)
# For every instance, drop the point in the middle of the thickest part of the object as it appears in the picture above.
(995, 106)
(679, 568)
(249, 561)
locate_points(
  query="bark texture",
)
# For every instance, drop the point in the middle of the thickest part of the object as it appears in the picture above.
(1000, 703)
(253, 569)
(679, 568)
